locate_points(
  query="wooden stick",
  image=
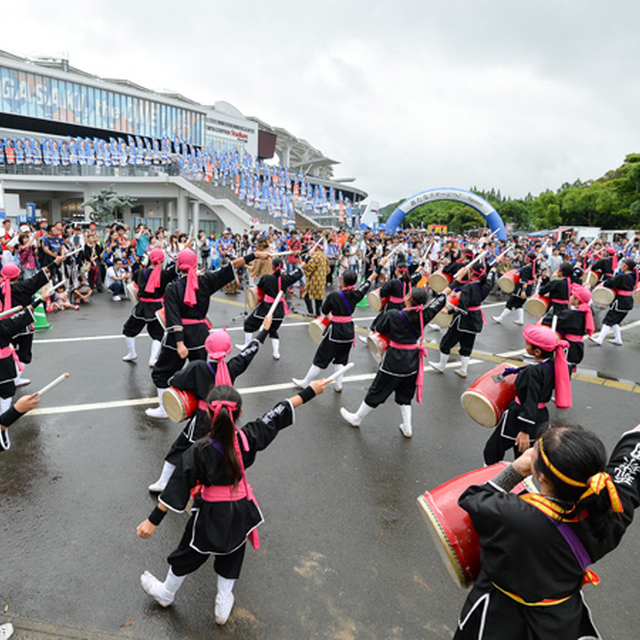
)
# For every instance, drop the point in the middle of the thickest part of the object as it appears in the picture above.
(10, 312)
(274, 304)
(554, 323)
(340, 372)
(52, 384)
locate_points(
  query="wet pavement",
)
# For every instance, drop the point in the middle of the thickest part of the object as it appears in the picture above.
(345, 553)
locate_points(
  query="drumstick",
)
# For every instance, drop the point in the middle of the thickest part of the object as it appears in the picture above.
(274, 304)
(10, 312)
(339, 372)
(281, 253)
(52, 384)
(554, 323)
(72, 253)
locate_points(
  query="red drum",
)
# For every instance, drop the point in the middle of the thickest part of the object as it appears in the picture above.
(590, 278)
(317, 327)
(160, 315)
(179, 405)
(443, 318)
(636, 294)
(509, 280)
(132, 292)
(439, 281)
(537, 305)
(601, 296)
(254, 297)
(375, 301)
(378, 343)
(487, 398)
(450, 525)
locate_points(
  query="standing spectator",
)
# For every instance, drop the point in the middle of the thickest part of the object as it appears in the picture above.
(316, 270)
(203, 249)
(293, 244)
(7, 235)
(27, 254)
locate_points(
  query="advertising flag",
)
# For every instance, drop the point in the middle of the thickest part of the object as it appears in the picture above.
(3, 215)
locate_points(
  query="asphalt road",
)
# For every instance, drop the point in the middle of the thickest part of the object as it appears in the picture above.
(345, 553)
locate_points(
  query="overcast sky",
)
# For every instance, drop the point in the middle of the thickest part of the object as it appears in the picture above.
(407, 95)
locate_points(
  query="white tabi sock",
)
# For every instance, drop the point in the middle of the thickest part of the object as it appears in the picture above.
(617, 334)
(156, 346)
(275, 343)
(224, 599)
(505, 312)
(405, 427)
(464, 366)
(355, 419)
(160, 484)
(248, 337)
(159, 411)
(337, 385)
(604, 332)
(440, 366)
(312, 374)
(162, 592)
(520, 318)
(131, 349)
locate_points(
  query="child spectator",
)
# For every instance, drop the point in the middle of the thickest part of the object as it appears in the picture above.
(82, 291)
(61, 301)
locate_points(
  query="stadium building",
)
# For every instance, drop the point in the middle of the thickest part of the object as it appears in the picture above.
(67, 135)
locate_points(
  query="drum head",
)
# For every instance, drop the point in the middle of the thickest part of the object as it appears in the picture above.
(373, 299)
(252, 298)
(480, 408)
(438, 282)
(444, 547)
(375, 348)
(536, 307)
(132, 292)
(507, 285)
(602, 297)
(173, 405)
(442, 319)
(316, 330)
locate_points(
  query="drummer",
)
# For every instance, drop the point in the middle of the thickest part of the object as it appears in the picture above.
(339, 336)
(468, 318)
(559, 290)
(151, 285)
(623, 284)
(523, 290)
(527, 415)
(400, 370)
(271, 284)
(574, 323)
(199, 377)
(606, 264)
(536, 549)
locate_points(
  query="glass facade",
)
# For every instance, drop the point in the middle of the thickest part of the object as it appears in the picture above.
(33, 95)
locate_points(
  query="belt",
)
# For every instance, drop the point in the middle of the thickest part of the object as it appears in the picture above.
(557, 301)
(422, 352)
(573, 338)
(159, 300)
(547, 602)
(270, 299)
(341, 319)
(620, 292)
(396, 300)
(541, 405)
(484, 320)
(6, 352)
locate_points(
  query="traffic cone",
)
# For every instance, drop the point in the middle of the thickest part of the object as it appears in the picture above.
(363, 304)
(41, 323)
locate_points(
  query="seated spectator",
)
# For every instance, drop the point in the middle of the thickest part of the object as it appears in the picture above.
(61, 301)
(82, 291)
(115, 280)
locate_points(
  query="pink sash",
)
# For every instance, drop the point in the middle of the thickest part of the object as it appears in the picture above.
(484, 320)
(6, 352)
(422, 353)
(270, 300)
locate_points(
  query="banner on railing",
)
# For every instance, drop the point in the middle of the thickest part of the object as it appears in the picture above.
(2, 212)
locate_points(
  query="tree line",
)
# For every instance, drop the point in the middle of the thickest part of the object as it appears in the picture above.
(610, 202)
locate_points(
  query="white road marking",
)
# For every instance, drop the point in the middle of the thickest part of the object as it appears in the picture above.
(115, 404)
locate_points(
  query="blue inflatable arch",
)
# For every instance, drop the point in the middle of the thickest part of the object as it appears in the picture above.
(458, 195)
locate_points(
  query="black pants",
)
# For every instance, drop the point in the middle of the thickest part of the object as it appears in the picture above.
(503, 439)
(328, 352)
(185, 560)
(384, 385)
(169, 362)
(134, 326)
(453, 336)
(252, 324)
(318, 304)
(23, 346)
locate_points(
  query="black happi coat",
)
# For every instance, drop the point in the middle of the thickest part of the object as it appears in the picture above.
(222, 527)
(523, 552)
(404, 327)
(147, 310)
(342, 303)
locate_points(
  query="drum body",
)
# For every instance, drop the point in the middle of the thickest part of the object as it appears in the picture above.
(375, 301)
(488, 397)
(378, 343)
(601, 296)
(450, 525)
(132, 292)
(254, 297)
(317, 327)
(179, 405)
(636, 294)
(537, 305)
(439, 281)
(443, 318)
(509, 280)
(590, 278)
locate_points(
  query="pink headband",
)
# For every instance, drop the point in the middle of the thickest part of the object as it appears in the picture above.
(218, 345)
(155, 257)
(188, 261)
(546, 339)
(584, 296)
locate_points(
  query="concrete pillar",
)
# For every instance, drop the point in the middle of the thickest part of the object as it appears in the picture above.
(195, 217)
(168, 219)
(55, 213)
(183, 211)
